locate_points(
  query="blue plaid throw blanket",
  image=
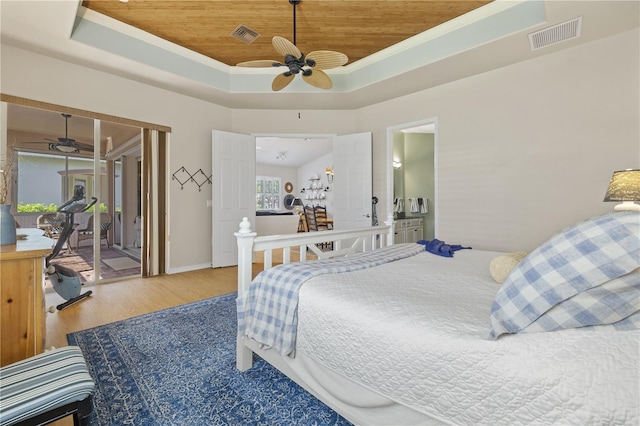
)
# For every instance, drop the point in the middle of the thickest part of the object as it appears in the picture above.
(267, 312)
(587, 275)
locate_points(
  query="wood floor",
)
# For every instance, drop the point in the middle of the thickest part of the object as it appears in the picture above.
(125, 299)
(120, 300)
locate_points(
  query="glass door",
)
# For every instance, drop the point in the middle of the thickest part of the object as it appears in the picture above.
(55, 158)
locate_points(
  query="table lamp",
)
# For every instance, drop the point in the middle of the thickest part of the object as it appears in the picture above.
(297, 203)
(625, 187)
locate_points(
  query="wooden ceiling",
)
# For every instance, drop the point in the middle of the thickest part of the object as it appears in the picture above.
(357, 28)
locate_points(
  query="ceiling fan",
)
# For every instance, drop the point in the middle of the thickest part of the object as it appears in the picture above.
(311, 66)
(66, 144)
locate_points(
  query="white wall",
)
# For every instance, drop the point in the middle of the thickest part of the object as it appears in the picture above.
(523, 151)
(42, 78)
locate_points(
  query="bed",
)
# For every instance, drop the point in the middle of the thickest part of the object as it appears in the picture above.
(427, 339)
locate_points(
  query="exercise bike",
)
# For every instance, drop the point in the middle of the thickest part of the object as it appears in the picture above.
(66, 282)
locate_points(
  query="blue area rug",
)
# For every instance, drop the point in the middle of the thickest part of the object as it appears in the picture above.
(177, 367)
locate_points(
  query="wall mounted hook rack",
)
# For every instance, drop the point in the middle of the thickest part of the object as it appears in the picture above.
(182, 176)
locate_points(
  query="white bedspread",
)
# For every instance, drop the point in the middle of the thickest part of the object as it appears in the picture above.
(412, 331)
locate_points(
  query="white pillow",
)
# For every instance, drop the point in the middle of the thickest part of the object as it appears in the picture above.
(501, 266)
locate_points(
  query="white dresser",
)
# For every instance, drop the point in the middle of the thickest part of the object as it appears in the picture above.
(408, 230)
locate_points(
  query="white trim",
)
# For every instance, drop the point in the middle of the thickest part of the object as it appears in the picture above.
(97, 192)
(389, 166)
(188, 268)
(154, 268)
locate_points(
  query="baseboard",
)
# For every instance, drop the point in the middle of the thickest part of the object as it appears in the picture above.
(188, 268)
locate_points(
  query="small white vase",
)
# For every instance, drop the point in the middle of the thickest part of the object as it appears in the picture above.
(7, 226)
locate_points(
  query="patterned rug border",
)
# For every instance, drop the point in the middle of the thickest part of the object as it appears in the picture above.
(177, 366)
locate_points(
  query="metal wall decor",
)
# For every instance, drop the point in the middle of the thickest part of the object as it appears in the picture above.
(182, 176)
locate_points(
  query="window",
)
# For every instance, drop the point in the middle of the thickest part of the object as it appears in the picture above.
(267, 193)
(45, 181)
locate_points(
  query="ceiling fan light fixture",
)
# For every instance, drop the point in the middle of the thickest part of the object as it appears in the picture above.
(65, 144)
(299, 63)
(63, 148)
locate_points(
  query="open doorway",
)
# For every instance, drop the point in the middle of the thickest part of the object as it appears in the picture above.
(294, 160)
(54, 153)
(412, 179)
(234, 163)
(127, 194)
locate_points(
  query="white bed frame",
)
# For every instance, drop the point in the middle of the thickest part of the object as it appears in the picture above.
(345, 243)
(302, 370)
(332, 389)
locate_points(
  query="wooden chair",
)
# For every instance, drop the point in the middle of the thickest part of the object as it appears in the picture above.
(302, 223)
(310, 218)
(51, 224)
(87, 232)
(312, 225)
(321, 217)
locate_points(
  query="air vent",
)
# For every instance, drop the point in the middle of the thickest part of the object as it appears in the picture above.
(245, 34)
(552, 35)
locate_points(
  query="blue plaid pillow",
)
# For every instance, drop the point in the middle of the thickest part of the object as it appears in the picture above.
(587, 275)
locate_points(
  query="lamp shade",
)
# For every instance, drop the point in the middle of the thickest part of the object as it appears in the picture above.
(297, 202)
(624, 186)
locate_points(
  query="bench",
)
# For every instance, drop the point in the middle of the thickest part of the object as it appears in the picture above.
(46, 388)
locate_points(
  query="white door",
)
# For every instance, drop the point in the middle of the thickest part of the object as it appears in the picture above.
(234, 192)
(352, 181)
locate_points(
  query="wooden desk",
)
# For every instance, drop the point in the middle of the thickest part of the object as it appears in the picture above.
(22, 304)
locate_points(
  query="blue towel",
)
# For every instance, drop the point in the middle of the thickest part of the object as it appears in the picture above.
(440, 248)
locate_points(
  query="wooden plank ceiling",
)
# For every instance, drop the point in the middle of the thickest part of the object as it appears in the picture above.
(356, 28)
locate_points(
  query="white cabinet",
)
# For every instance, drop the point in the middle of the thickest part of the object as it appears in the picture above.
(408, 231)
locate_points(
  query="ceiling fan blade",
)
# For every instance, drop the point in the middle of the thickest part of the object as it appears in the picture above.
(327, 59)
(83, 146)
(318, 78)
(281, 81)
(262, 63)
(285, 47)
(33, 142)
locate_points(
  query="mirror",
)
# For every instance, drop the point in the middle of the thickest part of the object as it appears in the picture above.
(414, 177)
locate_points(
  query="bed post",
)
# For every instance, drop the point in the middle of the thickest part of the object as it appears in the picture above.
(392, 226)
(244, 237)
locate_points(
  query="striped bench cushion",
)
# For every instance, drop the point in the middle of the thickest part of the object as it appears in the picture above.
(42, 383)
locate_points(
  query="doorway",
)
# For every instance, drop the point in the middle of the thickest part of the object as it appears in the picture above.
(412, 164)
(234, 162)
(54, 154)
(127, 195)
